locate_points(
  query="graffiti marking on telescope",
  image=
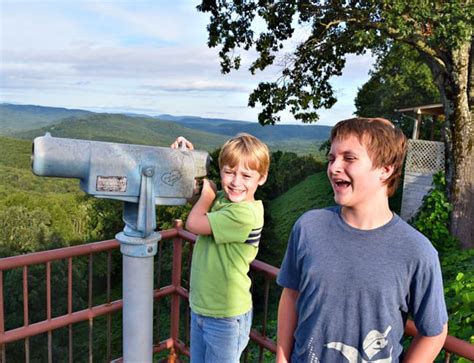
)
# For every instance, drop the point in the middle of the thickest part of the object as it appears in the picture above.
(111, 184)
(171, 178)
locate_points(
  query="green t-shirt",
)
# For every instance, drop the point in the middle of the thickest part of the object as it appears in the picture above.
(220, 286)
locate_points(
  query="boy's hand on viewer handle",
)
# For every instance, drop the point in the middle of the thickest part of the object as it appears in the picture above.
(209, 188)
(197, 221)
(204, 187)
(182, 143)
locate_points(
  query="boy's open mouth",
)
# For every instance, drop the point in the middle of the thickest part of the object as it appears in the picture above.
(341, 183)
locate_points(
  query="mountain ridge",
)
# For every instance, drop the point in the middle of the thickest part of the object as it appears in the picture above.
(29, 121)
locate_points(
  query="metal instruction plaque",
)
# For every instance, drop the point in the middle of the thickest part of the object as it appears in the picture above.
(111, 184)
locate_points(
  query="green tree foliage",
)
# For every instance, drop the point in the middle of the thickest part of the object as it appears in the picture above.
(433, 216)
(286, 170)
(458, 278)
(33, 222)
(400, 79)
(458, 275)
(23, 230)
(440, 32)
(103, 218)
(332, 30)
(396, 84)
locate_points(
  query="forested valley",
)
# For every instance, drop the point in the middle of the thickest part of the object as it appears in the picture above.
(39, 214)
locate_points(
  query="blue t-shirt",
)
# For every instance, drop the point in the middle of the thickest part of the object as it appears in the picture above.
(357, 288)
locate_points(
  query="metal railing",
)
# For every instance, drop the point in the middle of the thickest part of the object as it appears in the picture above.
(173, 346)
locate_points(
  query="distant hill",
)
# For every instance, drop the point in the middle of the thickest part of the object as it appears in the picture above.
(313, 192)
(14, 118)
(27, 122)
(125, 129)
(269, 133)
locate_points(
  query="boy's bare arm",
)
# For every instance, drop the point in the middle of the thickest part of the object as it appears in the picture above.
(287, 319)
(197, 221)
(425, 349)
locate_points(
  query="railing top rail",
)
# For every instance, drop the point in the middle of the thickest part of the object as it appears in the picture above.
(8, 263)
(34, 258)
(452, 344)
(269, 270)
(188, 236)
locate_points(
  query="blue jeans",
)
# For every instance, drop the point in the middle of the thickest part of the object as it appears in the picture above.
(219, 340)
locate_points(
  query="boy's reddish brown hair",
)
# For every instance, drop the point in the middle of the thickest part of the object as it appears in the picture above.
(385, 143)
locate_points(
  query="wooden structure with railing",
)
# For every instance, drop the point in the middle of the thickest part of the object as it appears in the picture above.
(174, 347)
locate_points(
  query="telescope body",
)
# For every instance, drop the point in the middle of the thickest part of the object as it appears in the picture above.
(114, 170)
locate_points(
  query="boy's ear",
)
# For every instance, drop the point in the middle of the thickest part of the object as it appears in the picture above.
(387, 171)
(263, 179)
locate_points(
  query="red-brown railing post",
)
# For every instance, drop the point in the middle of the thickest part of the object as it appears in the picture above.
(2, 319)
(447, 356)
(48, 310)
(26, 319)
(69, 306)
(175, 298)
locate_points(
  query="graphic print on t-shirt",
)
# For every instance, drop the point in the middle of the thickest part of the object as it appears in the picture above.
(373, 344)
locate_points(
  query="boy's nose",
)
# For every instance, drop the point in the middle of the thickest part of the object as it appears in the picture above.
(334, 166)
(235, 180)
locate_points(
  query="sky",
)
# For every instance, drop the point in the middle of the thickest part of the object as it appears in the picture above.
(136, 56)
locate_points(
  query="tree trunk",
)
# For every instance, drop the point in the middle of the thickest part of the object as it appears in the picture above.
(457, 90)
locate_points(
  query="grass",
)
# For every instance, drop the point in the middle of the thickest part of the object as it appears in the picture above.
(314, 192)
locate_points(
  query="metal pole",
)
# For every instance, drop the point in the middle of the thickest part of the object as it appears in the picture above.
(137, 309)
(137, 288)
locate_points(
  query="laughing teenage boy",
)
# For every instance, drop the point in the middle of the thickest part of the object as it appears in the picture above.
(354, 273)
(229, 224)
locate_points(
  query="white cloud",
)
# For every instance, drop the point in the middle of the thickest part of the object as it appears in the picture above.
(155, 20)
(136, 55)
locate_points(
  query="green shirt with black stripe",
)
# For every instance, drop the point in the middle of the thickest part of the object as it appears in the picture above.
(220, 285)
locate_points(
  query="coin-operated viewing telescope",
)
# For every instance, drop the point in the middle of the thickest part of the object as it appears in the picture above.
(142, 177)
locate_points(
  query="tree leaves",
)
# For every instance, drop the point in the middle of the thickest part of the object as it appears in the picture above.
(396, 84)
(330, 31)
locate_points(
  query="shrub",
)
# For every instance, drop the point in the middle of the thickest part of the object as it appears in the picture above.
(433, 221)
(459, 292)
(433, 217)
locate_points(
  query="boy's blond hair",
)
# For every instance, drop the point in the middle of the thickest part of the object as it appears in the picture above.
(247, 148)
(385, 143)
